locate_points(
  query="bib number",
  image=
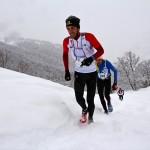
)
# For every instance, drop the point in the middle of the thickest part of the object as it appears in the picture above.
(104, 74)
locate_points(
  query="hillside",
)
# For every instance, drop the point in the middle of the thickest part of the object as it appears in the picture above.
(38, 58)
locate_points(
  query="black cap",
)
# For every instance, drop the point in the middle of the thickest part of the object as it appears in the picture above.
(73, 21)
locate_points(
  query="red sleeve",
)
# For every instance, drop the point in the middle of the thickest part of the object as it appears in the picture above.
(96, 44)
(65, 53)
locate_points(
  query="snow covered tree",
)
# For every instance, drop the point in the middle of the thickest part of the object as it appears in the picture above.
(128, 69)
(3, 59)
(144, 69)
(24, 67)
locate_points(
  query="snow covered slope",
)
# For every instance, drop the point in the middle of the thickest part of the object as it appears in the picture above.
(37, 114)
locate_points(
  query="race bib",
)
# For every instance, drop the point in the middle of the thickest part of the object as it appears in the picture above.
(101, 75)
(104, 74)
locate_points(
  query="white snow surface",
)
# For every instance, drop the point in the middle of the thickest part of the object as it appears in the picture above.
(37, 114)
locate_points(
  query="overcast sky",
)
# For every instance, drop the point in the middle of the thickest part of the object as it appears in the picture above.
(119, 25)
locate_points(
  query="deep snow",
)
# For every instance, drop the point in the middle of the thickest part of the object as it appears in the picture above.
(37, 114)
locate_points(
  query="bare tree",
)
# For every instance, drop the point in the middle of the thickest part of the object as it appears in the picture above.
(144, 69)
(3, 59)
(24, 67)
(127, 67)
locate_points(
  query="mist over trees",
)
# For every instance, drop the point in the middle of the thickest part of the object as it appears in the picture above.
(44, 59)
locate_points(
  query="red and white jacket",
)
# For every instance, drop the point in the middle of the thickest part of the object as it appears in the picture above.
(120, 92)
(80, 49)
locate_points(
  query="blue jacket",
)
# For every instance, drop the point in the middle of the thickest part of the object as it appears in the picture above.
(106, 66)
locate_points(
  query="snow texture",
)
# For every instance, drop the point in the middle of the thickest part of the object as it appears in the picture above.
(37, 114)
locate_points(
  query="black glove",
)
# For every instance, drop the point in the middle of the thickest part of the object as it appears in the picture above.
(87, 61)
(67, 75)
